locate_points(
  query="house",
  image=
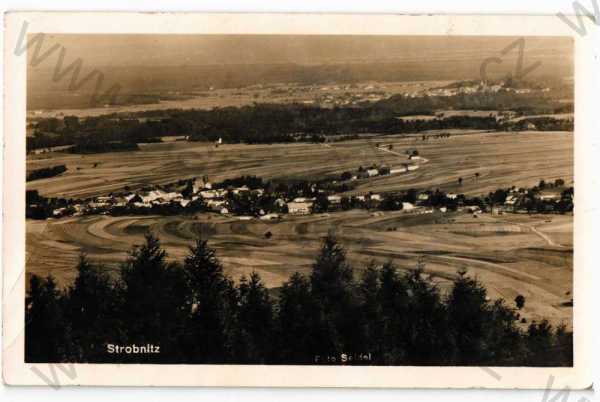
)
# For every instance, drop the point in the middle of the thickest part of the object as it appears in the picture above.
(402, 169)
(497, 210)
(550, 196)
(59, 212)
(239, 190)
(269, 217)
(171, 196)
(375, 197)
(407, 206)
(451, 196)
(423, 197)
(299, 208)
(215, 205)
(511, 202)
(150, 196)
(372, 172)
(474, 209)
(334, 199)
(208, 194)
(198, 185)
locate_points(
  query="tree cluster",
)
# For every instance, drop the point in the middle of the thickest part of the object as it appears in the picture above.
(197, 314)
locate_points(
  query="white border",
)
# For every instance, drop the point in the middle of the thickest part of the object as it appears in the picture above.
(16, 372)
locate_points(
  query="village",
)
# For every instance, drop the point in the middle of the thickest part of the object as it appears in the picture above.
(249, 197)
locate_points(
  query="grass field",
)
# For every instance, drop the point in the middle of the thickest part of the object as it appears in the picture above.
(511, 254)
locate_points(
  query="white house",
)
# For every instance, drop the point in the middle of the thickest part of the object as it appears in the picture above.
(152, 195)
(209, 194)
(299, 208)
(372, 172)
(215, 205)
(269, 217)
(407, 206)
(334, 199)
(402, 169)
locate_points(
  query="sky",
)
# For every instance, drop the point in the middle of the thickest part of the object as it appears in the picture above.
(194, 50)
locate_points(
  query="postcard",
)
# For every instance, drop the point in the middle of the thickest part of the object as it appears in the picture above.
(295, 200)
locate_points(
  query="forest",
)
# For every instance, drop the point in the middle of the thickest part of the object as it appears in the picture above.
(270, 123)
(197, 314)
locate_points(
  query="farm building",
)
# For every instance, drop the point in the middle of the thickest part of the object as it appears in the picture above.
(299, 208)
(401, 169)
(269, 217)
(334, 199)
(407, 206)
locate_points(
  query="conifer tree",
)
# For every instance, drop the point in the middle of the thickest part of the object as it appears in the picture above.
(296, 320)
(210, 306)
(154, 300)
(46, 333)
(337, 329)
(254, 321)
(91, 302)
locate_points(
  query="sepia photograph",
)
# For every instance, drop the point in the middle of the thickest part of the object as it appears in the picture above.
(301, 200)
(287, 199)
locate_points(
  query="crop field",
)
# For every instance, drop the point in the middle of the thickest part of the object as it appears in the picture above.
(501, 159)
(511, 254)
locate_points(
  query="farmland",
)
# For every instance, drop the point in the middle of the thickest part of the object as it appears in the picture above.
(501, 159)
(511, 253)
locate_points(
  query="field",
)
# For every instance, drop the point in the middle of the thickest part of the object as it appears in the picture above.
(237, 97)
(501, 159)
(511, 253)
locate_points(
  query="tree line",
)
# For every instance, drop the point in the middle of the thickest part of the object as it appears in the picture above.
(197, 314)
(271, 123)
(44, 173)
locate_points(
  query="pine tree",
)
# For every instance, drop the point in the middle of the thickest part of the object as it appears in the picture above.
(426, 337)
(255, 322)
(337, 328)
(210, 306)
(46, 333)
(393, 299)
(466, 315)
(371, 311)
(91, 303)
(154, 301)
(297, 314)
